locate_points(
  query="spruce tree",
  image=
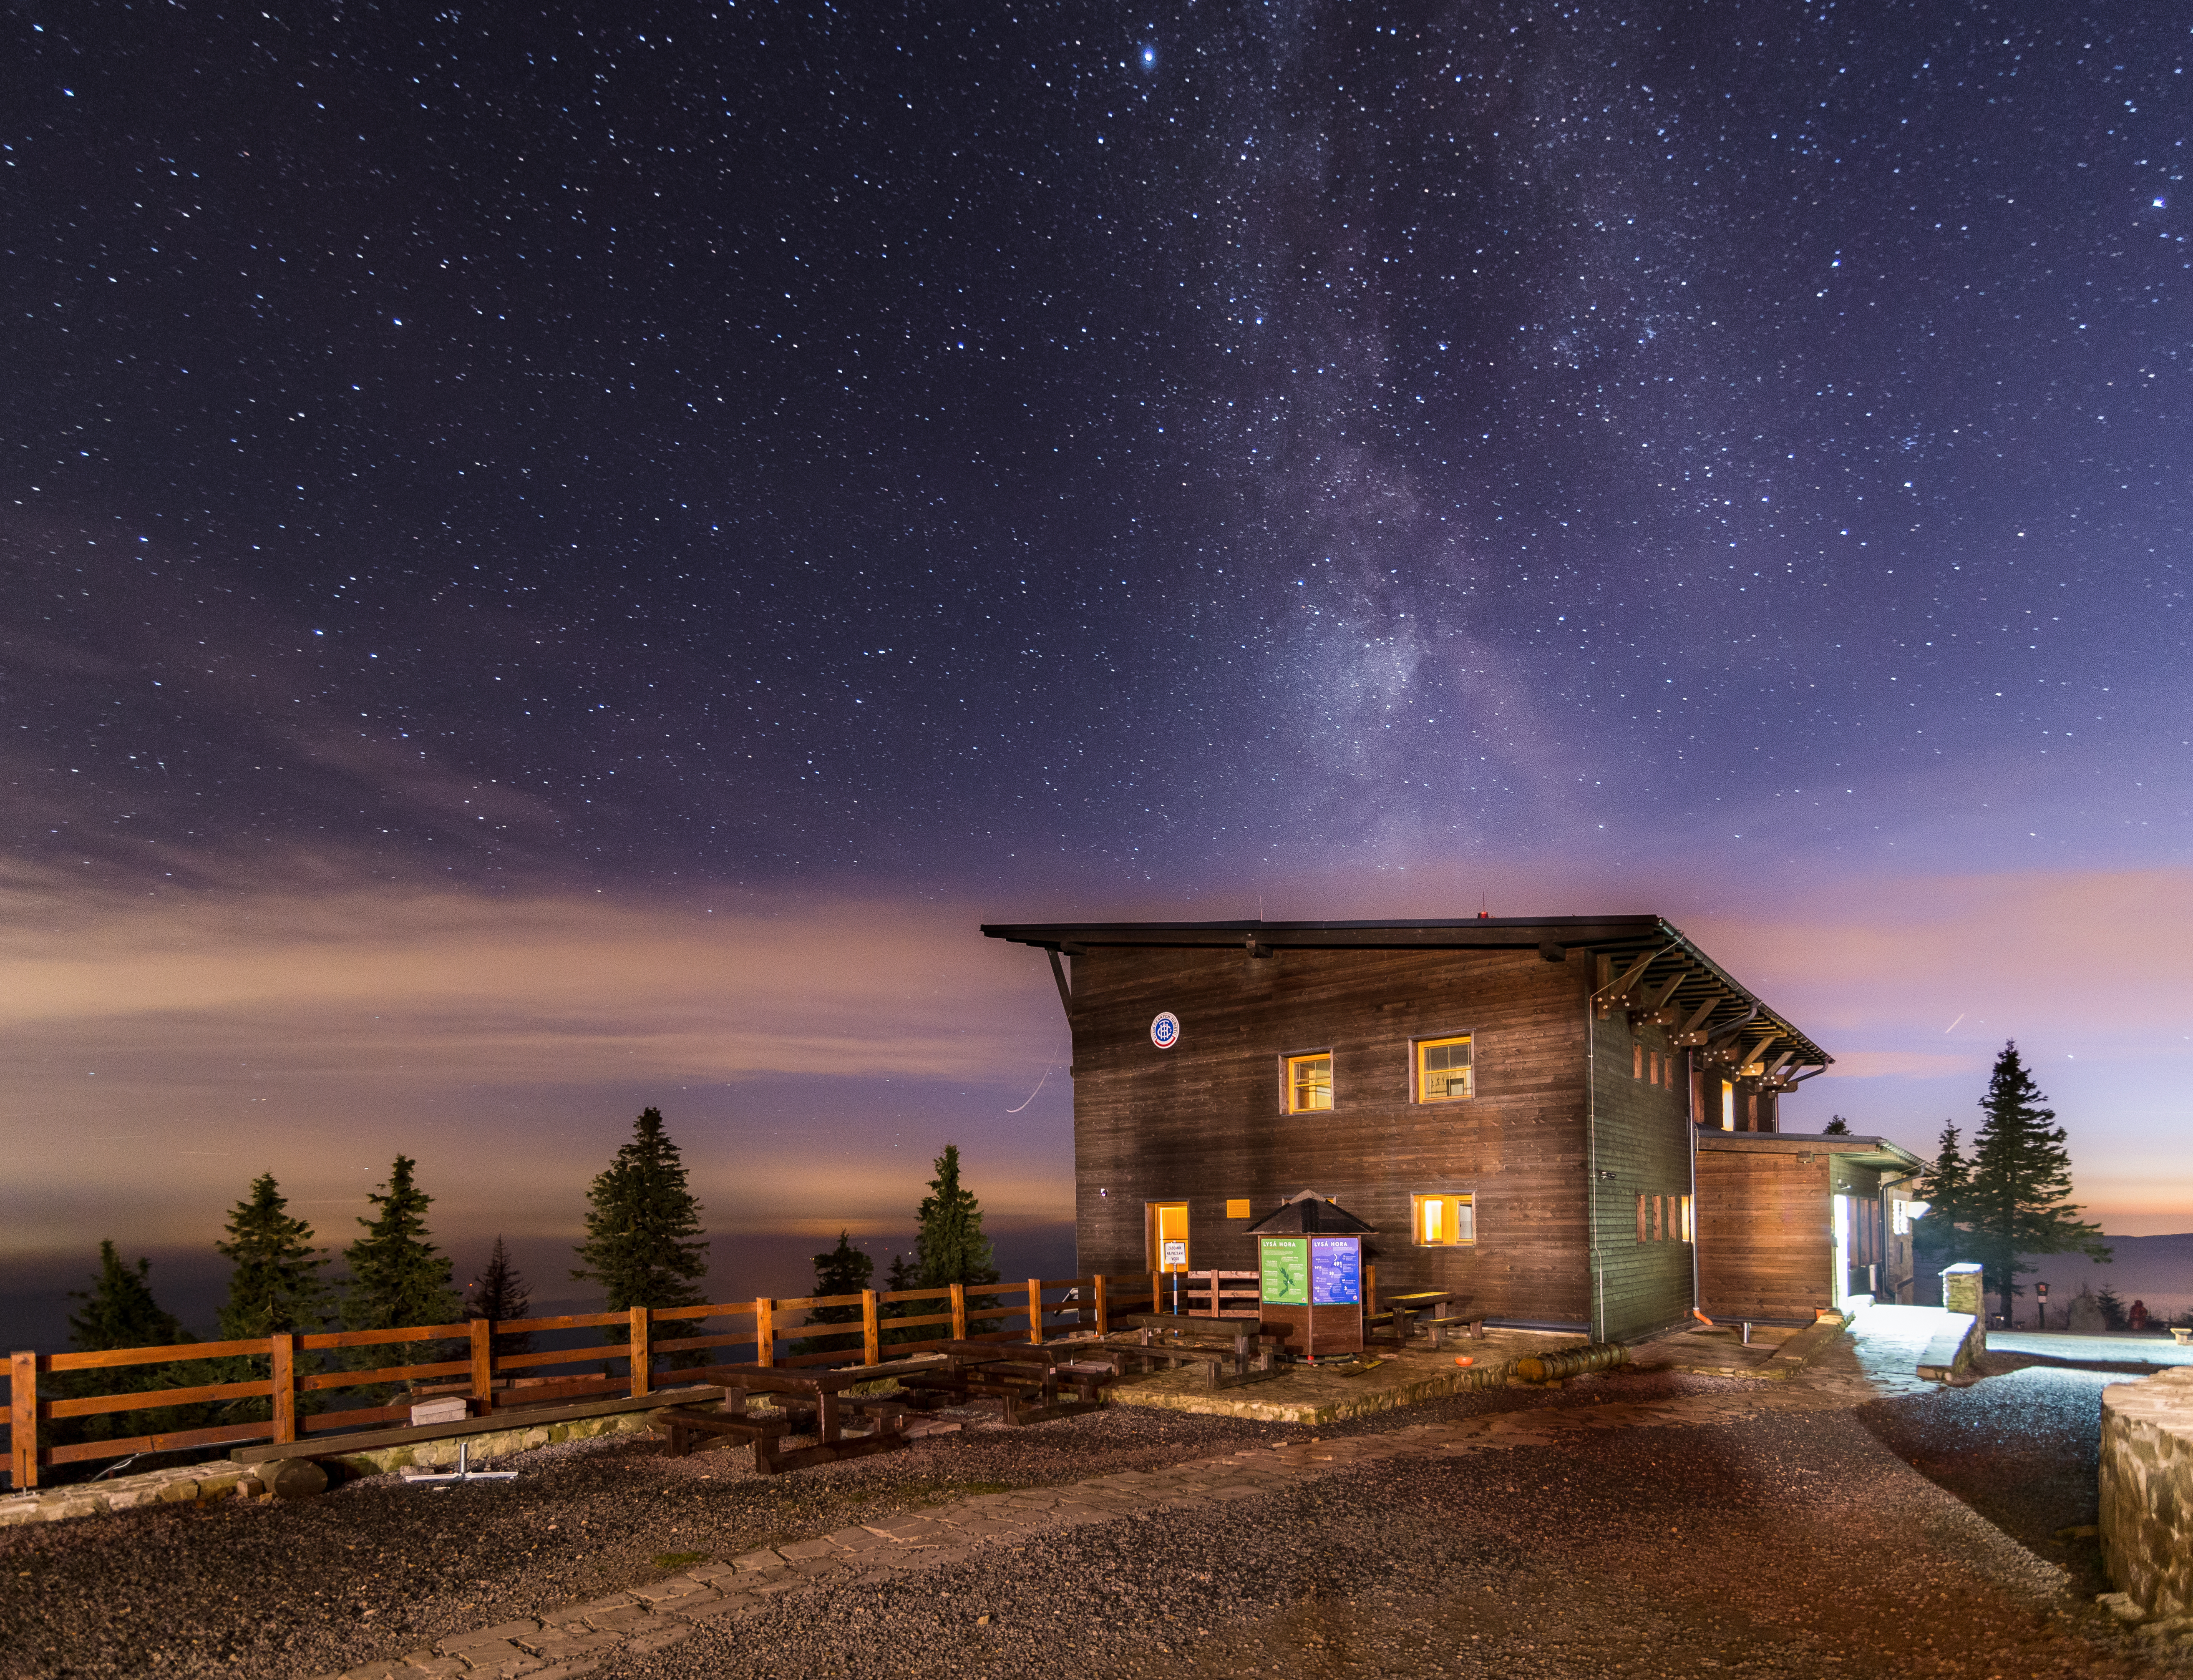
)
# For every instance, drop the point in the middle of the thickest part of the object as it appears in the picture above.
(499, 1296)
(276, 1284)
(1946, 1188)
(949, 1247)
(1837, 1127)
(275, 1287)
(2017, 1200)
(842, 1270)
(640, 1226)
(119, 1311)
(396, 1277)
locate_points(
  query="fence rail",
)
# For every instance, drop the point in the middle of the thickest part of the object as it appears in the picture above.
(654, 1338)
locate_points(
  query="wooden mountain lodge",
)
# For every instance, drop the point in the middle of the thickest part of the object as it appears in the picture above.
(1527, 1112)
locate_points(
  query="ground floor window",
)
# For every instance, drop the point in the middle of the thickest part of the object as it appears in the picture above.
(1443, 1221)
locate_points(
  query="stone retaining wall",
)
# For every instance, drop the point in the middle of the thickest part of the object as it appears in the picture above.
(2147, 1490)
(201, 1484)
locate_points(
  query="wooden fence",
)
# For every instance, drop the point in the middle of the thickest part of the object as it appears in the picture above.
(498, 1382)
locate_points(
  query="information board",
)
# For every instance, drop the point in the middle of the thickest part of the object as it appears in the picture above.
(1285, 1270)
(1335, 1271)
(1175, 1255)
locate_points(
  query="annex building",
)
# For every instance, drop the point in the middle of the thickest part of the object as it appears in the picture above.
(1515, 1105)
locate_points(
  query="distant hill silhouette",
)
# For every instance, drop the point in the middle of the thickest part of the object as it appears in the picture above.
(2157, 1270)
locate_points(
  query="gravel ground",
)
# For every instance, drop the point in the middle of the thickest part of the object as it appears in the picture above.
(1794, 1545)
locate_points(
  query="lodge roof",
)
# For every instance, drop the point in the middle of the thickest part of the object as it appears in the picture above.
(1655, 961)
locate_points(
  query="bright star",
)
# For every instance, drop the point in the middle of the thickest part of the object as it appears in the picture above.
(1149, 56)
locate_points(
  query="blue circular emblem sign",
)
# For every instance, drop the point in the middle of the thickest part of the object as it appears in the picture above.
(1165, 1030)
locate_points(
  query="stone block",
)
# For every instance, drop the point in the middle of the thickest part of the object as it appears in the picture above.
(811, 1548)
(708, 1608)
(561, 1647)
(501, 1633)
(764, 1559)
(176, 1493)
(667, 1592)
(622, 1616)
(657, 1638)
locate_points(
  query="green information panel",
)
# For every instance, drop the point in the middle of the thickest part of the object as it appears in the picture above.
(1285, 1270)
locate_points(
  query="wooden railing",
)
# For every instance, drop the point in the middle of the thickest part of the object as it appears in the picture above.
(499, 1381)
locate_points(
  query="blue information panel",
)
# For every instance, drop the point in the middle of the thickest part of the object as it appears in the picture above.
(1335, 1271)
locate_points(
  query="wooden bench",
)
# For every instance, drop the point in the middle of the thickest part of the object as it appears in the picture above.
(332, 1444)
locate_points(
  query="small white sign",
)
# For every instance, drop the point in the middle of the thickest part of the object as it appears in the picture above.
(1165, 1030)
(1175, 1256)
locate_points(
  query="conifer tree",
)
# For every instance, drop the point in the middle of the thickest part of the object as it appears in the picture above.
(2016, 1201)
(1837, 1127)
(119, 1311)
(274, 1287)
(842, 1270)
(396, 1277)
(276, 1284)
(640, 1226)
(499, 1296)
(949, 1247)
(1945, 1187)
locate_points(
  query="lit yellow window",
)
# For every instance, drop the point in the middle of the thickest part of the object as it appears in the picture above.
(1443, 1070)
(1444, 1221)
(1310, 1083)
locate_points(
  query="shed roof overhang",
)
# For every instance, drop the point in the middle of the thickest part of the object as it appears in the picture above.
(1657, 971)
(1860, 1151)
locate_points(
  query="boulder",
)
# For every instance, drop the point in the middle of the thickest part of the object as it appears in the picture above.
(2083, 1317)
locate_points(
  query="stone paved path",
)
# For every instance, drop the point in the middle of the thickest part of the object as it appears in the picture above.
(576, 1639)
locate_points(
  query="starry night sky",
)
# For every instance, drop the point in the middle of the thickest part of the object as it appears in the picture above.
(482, 494)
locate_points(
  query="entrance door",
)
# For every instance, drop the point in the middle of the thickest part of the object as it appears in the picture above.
(1168, 1235)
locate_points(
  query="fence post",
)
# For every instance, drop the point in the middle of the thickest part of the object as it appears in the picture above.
(1035, 1311)
(871, 1336)
(764, 1330)
(1104, 1308)
(643, 1354)
(959, 1312)
(1369, 1286)
(23, 1420)
(1157, 1292)
(282, 1351)
(483, 1333)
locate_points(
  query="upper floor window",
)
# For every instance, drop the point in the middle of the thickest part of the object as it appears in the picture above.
(1310, 1083)
(1443, 1070)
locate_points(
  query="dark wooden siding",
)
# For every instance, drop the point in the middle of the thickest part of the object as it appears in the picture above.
(1642, 1131)
(1766, 1235)
(1204, 1122)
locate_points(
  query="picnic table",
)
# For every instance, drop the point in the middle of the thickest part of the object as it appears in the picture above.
(1402, 1311)
(1034, 1382)
(808, 1402)
(1234, 1350)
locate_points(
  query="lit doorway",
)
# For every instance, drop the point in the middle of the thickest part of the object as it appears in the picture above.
(1167, 1227)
